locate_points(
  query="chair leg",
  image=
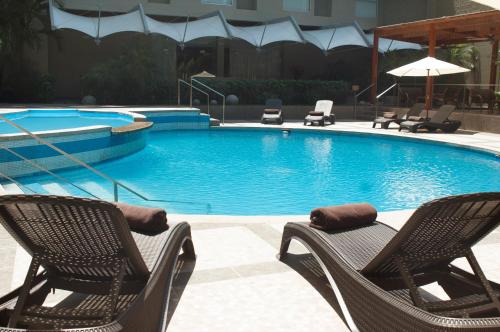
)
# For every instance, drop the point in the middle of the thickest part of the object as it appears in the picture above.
(410, 283)
(285, 244)
(480, 274)
(188, 248)
(114, 292)
(25, 291)
(374, 124)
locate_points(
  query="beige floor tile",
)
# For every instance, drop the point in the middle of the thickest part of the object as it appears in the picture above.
(230, 246)
(276, 302)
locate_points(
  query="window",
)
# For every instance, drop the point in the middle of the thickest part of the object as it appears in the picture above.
(366, 8)
(160, 1)
(246, 4)
(296, 5)
(323, 8)
(218, 2)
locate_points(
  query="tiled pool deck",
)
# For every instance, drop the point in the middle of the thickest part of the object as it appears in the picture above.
(237, 284)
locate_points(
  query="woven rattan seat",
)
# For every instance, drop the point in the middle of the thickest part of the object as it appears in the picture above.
(378, 272)
(117, 278)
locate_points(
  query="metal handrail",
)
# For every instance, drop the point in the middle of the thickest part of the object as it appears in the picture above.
(179, 81)
(381, 95)
(216, 92)
(356, 96)
(386, 90)
(116, 183)
(43, 169)
(364, 90)
(20, 185)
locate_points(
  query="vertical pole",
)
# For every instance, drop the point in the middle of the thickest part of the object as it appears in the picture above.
(178, 92)
(374, 67)
(430, 80)
(191, 93)
(355, 105)
(115, 191)
(493, 73)
(223, 109)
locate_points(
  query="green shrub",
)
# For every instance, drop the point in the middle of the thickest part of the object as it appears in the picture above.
(292, 92)
(25, 85)
(132, 78)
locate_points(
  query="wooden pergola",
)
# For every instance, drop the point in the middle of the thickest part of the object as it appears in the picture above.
(460, 29)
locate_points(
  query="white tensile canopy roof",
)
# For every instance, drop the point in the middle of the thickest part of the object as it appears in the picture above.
(216, 25)
(285, 29)
(428, 66)
(99, 27)
(495, 4)
(331, 37)
(213, 25)
(385, 45)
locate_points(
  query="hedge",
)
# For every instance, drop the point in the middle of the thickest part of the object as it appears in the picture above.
(292, 92)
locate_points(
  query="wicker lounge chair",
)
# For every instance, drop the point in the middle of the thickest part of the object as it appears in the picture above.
(322, 113)
(272, 112)
(438, 121)
(120, 281)
(376, 272)
(390, 117)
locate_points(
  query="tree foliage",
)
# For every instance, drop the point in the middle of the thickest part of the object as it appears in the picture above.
(22, 22)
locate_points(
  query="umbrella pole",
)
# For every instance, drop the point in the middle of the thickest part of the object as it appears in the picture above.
(428, 100)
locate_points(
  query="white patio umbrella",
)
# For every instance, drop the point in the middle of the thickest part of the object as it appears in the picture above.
(491, 3)
(426, 67)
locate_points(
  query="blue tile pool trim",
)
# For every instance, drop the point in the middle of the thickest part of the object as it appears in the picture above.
(71, 147)
(91, 145)
(177, 119)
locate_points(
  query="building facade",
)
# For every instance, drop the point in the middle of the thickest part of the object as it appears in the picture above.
(68, 55)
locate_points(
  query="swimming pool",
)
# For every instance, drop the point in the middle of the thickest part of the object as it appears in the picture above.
(44, 120)
(253, 172)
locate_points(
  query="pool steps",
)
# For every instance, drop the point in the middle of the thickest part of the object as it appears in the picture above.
(57, 188)
(10, 189)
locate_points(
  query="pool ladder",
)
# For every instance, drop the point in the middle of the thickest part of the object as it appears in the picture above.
(204, 90)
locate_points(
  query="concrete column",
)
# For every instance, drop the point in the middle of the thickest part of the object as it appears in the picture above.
(220, 56)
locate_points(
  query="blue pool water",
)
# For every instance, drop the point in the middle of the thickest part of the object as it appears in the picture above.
(245, 172)
(42, 120)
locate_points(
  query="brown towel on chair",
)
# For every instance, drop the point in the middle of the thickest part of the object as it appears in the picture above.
(143, 219)
(314, 113)
(390, 115)
(271, 111)
(342, 216)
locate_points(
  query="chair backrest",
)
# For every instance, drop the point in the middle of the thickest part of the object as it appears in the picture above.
(416, 109)
(438, 232)
(442, 114)
(324, 106)
(72, 229)
(274, 103)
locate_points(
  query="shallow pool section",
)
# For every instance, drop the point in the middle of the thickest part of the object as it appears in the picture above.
(252, 172)
(45, 120)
